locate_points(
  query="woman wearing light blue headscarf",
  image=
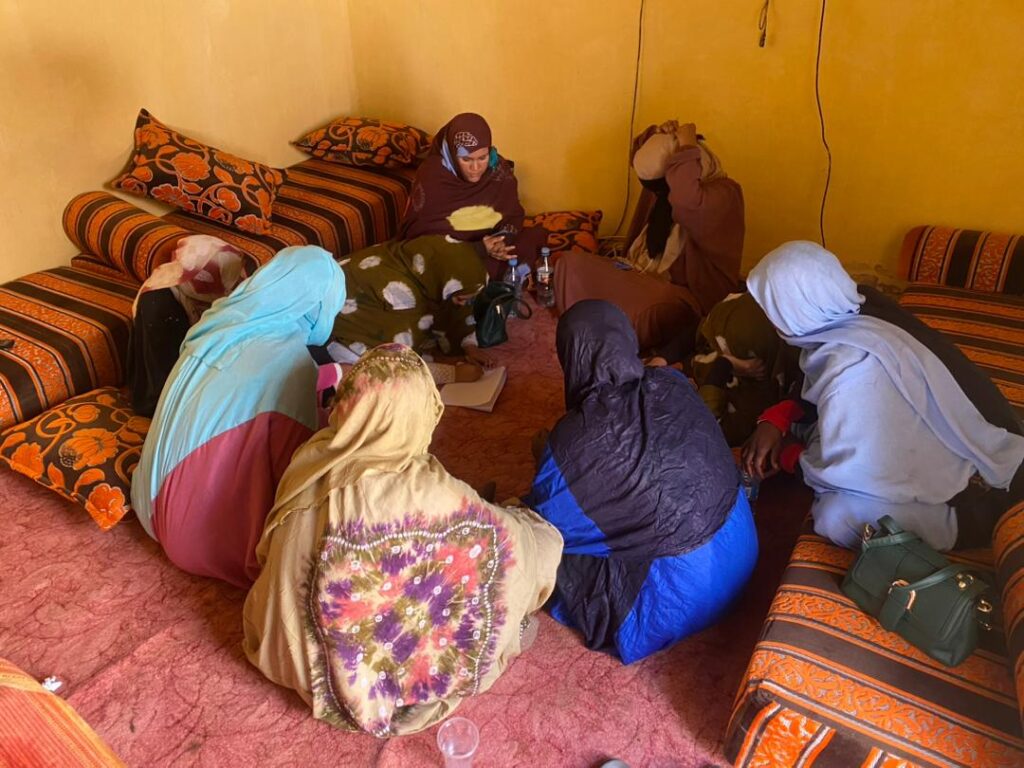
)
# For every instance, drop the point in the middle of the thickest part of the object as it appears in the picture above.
(239, 401)
(904, 422)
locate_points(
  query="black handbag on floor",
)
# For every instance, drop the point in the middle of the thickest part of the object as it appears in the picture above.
(491, 308)
(912, 590)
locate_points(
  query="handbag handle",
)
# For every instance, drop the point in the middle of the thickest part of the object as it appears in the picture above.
(902, 594)
(890, 539)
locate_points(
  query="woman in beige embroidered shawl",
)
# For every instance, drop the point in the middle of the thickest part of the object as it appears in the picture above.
(390, 590)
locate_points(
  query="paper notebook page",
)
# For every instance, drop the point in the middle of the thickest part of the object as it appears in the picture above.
(481, 394)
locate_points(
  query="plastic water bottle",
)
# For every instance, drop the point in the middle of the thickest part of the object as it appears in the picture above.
(514, 279)
(751, 485)
(545, 290)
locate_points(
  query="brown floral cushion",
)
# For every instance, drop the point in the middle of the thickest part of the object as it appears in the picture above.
(85, 449)
(171, 167)
(568, 230)
(364, 141)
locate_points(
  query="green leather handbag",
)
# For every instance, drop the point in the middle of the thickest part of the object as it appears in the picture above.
(490, 311)
(917, 593)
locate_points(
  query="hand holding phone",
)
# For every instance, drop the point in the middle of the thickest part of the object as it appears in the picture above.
(496, 247)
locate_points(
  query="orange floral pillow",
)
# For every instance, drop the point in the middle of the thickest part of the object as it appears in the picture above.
(171, 167)
(85, 449)
(568, 230)
(364, 141)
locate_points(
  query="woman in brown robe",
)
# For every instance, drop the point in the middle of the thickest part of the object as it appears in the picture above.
(466, 190)
(686, 241)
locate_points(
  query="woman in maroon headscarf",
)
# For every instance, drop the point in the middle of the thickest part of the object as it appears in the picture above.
(465, 189)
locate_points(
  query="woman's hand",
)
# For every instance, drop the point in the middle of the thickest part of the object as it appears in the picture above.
(669, 126)
(749, 368)
(686, 135)
(760, 456)
(478, 356)
(497, 249)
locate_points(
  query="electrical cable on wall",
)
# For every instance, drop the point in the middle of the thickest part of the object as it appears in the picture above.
(632, 113)
(762, 24)
(821, 121)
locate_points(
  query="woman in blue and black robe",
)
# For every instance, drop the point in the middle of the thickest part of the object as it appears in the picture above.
(639, 480)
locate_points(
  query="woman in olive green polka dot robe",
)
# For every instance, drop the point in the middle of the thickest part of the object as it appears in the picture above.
(413, 292)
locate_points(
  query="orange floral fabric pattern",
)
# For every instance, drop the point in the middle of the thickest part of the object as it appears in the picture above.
(85, 450)
(170, 167)
(568, 230)
(365, 141)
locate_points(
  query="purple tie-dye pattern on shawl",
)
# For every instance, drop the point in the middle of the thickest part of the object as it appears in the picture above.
(405, 614)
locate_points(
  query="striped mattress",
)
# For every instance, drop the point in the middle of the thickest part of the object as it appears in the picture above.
(827, 686)
(341, 208)
(70, 325)
(964, 258)
(988, 328)
(70, 331)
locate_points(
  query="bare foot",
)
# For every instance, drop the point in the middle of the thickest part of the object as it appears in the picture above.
(467, 372)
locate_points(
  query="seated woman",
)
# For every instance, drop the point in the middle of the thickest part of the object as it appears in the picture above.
(413, 292)
(686, 241)
(239, 401)
(390, 590)
(202, 270)
(741, 366)
(466, 190)
(640, 482)
(894, 419)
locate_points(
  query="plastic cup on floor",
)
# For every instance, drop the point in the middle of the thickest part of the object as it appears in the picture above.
(458, 739)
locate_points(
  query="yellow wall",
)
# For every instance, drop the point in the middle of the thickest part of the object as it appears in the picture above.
(921, 102)
(548, 76)
(244, 76)
(921, 99)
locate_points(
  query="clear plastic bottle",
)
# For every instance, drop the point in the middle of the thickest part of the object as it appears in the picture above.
(545, 277)
(751, 486)
(515, 279)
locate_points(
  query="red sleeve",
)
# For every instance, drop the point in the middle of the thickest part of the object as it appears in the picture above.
(790, 456)
(782, 415)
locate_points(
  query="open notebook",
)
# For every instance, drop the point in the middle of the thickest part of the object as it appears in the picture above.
(480, 395)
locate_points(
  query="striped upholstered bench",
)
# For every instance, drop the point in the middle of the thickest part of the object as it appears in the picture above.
(69, 327)
(341, 208)
(826, 685)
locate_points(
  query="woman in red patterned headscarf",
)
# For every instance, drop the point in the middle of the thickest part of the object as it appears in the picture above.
(466, 190)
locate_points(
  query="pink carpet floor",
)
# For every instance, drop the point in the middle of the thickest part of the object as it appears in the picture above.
(152, 658)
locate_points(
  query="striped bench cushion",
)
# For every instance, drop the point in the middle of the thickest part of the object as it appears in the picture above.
(826, 685)
(70, 329)
(116, 233)
(341, 208)
(1008, 552)
(988, 328)
(964, 258)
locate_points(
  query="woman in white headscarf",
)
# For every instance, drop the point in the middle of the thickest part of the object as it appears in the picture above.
(899, 422)
(202, 270)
